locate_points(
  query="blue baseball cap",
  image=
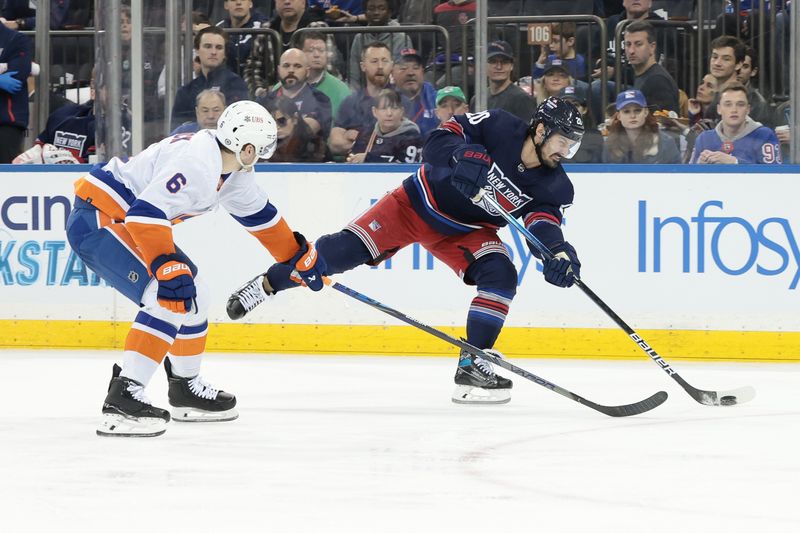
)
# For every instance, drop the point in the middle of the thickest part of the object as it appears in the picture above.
(630, 96)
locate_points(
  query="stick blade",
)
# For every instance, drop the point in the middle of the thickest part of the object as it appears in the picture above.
(634, 408)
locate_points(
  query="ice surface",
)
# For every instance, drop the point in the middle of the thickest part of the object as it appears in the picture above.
(373, 444)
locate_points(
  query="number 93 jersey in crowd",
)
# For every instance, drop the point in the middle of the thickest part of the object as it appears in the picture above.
(175, 179)
(537, 194)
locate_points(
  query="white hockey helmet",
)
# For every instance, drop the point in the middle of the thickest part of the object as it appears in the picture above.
(246, 122)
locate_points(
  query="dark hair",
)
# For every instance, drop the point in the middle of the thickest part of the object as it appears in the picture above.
(304, 36)
(729, 41)
(564, 29)
(375, 44)
(642, 25)
(390, 3)
(284, 105)
(391, 97)
(732, 87)
(750, 52)
(198, 17)
(210, 29)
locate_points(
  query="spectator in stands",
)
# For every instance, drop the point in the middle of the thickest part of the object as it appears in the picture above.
(379, 13)
(503, 93)
(555, 77)
(591, 149)
(562, 46)
(745, 74)
(727, 55)
(315, 46)
(422, 11)
(199, 21)
(260, 69)
(210, 46)
(783, 130)
(737, 138)
(450, 101)
(16, 54)
(633, 10)
(697, 107)
(209, 105)
(634, 135)
(658, 87)
(454, 16)
(314, 107)
(296, 141)
(355, 113)
(68, 137)
(240, 15)
(419, 95)
(393, 139)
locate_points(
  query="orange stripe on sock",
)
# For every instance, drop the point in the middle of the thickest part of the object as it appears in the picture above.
(148, 345)
(194, 346)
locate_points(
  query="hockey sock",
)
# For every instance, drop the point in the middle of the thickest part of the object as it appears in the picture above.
(496, 278)
(342, 251)
(487, 314)
(145, 347)
(186, 353)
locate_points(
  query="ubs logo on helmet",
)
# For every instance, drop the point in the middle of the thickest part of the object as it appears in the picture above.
(248, 118)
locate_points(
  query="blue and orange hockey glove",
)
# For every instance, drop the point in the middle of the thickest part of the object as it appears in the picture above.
(175, 277)
(308, 263)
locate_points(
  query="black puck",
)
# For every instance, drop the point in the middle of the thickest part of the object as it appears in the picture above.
(727, 400)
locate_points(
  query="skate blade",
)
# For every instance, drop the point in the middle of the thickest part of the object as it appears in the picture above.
(475, 395)
(189, 414)
(116, 425)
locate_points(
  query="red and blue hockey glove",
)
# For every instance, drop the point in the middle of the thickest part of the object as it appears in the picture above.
(470, 173)
(308, 263)
(175, 277)
(563, 268)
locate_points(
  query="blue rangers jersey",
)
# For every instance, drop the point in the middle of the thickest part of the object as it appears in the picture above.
(536, 195)
(754, 144)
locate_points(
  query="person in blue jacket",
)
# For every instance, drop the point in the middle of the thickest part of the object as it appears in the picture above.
(16, 53)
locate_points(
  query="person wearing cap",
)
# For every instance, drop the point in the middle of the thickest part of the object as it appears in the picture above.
(503, 94)
(450, 101)
(591, 149)
(379, 13)
(419, 96)
(634, 135)
(555, 77)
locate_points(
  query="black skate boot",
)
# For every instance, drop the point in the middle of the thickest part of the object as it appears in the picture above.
(247, 297)
(476, 381)
(194, 400)
(128, 413)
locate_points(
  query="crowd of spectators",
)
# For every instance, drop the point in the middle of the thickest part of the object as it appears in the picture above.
(375, 95)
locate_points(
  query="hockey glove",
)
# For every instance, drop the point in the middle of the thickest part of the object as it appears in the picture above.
(308, 263)
(470, 170)
(175, 277)
(563, 268)
(9, 83)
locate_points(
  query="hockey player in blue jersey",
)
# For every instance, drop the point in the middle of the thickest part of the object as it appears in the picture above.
(442, 207)
(737, 139)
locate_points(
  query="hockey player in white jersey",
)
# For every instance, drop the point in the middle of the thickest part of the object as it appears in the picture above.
(121, 227)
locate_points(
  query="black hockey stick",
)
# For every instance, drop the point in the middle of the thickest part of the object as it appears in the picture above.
(705, 397)
(614, 410)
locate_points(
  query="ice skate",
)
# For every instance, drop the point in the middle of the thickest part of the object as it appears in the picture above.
(247, 297)
(128, 413)
(194, 400)
(476, 381)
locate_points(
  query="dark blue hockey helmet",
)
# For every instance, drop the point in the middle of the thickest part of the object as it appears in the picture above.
(558, 116)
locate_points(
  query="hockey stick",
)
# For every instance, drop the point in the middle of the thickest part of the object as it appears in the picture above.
(615, 410)
(705, 397)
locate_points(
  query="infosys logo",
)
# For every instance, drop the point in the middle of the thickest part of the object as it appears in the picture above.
(714, 239)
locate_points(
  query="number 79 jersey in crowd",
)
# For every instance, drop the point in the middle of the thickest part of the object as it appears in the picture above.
(537, 194)
(175, 179)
